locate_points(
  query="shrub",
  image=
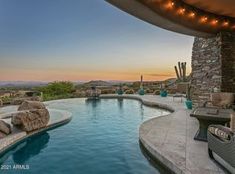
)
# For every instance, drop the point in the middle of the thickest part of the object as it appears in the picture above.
(129, 91)
(157, 92)
(108, 91)
(57, 90)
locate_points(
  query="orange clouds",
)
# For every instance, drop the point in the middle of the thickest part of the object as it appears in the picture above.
(73, 75)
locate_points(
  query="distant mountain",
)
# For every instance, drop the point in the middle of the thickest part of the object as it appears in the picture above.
(22, 83)
(117, 82)
(171, 80)
(97, 83)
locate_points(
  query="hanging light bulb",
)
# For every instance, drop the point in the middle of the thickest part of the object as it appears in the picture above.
(233, 27)
(203, 19)
(169, 5)
(181, 11)
(214, 22)
(225, 24)
(191, 15)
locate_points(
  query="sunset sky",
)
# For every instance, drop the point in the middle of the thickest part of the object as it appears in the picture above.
(46, 40)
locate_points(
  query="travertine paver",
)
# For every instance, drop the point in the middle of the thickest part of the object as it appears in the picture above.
(170, 138)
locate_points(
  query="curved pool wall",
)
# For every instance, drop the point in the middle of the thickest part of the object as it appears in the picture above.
(142, 99)
(127, 97)
(19, 136)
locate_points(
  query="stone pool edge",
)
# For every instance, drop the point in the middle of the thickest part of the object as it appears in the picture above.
(12, 140)
(142, 100)
(155, 153)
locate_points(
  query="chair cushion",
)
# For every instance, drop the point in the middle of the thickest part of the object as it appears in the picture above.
(223, 133)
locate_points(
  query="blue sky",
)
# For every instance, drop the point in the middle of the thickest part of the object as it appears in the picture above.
(83, 40)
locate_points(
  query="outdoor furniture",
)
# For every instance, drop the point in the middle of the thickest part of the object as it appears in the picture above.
(208, 116)
(178, 95)
(181, 89)
(221, 141)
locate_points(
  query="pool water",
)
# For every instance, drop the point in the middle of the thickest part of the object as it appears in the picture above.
(102, 138)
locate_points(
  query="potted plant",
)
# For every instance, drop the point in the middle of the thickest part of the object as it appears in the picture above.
(188, 102)
(141, 90)
(163, 91)
(120, 90)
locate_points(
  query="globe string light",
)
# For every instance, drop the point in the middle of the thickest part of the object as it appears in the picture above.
(203, 18)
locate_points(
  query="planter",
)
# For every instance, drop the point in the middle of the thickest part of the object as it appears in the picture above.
(141, 91)
(120, 92)
(163, 93)
(189, 104)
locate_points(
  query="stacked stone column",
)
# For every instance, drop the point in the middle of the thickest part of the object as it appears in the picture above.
(213, 66)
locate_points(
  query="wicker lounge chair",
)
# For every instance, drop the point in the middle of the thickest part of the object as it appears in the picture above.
(221, 143)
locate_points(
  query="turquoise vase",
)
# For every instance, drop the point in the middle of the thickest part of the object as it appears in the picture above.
(141, 91)
(189, 104)
(119, 91)
(163, 93)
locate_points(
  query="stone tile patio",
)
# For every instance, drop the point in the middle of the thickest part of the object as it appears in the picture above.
(170, 138)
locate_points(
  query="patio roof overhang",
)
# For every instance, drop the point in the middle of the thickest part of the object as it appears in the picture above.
(191, 17)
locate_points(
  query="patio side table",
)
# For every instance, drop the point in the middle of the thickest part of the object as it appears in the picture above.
(207, 116)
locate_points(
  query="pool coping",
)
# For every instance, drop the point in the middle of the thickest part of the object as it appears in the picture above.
(143, 101)
(19, 136)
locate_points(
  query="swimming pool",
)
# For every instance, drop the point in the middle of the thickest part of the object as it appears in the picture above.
(102, 138)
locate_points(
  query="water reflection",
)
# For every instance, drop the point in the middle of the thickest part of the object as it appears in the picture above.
(92, 103)
(142, 111)
(32, 147)
(120, 103)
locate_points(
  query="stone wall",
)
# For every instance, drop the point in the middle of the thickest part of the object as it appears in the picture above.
(228, 62)
(213, 66)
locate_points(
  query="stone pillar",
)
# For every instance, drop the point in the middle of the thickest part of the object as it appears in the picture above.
(213, 66)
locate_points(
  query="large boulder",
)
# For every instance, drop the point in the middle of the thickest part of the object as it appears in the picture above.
(29, 120)
(31, 105)
(33, 115)
(5, 129)
(20, 100)
(2, 135)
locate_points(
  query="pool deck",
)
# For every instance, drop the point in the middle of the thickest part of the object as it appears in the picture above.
(170, 138)
(58, 118)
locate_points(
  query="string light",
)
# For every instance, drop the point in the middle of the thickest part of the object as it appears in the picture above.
(225, 24)
(170, 5)
(214, 22)
(203, 19)
(191, 15)
(233, 27)
(181, 11)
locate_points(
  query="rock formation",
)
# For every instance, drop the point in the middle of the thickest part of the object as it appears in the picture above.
(29, 105)
(5, 129)
(32, 116)
(20, 100)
